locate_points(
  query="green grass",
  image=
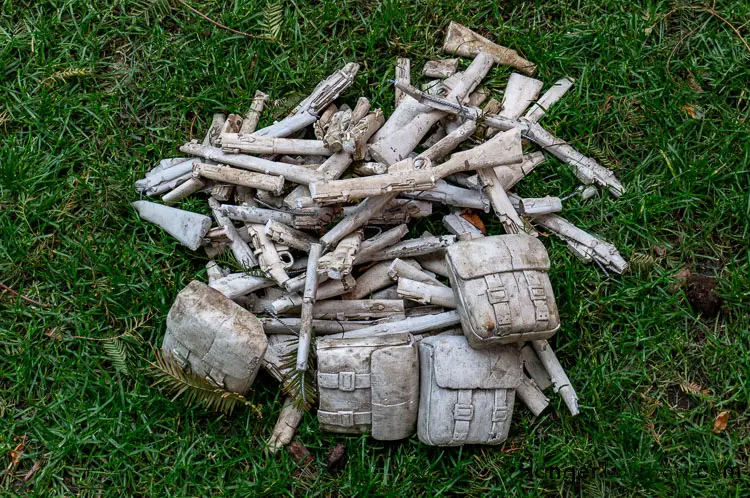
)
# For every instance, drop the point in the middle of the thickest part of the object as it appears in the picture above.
(72, 144)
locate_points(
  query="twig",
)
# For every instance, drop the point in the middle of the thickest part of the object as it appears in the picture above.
(218, 24)
(32, 301)
(708, 11)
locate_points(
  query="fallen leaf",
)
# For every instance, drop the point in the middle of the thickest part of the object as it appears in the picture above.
(300, 453)
(336, 458)
(15, 456)
(474, 219)
(694, 111)
(32, 471)
(660, 251)
(720, 422)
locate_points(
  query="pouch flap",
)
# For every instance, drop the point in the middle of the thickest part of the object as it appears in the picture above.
(497, 254)
(395, 339)
(458, 366)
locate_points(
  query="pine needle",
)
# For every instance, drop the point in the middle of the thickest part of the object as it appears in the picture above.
(299, 386)
(172, 378)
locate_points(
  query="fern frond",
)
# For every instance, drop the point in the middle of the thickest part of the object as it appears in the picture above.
(172, 378)
(63, 76)
(642, 261)
(117, 351)
(152, 10)
(273, 18)
(299, 386)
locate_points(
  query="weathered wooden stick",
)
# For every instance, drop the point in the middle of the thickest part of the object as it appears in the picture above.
(555, 93)
(425, 293)
(411, 120)
(321, 125)
(250, 121)
(297, 174)
(369, 169)
(532, 396)
(396, 212)
(452, 196)
(460, 40)
(308, 302)
(339, 262)
(266, 254)
(321, 327)
(332, 168)
(253, 144)
(367, 209)
(213, 135)
(309, 109)
(520, 92)
(361, 109)
(231, 125)
(188, 228)
(560, 381)
(235, 285)
(403, 75)
(435, 263)
(242, 252)
(236, 176)
(419, 174)
(356, 137)
(534, 367)
(371, 281)
(213, 272)
(440, 104)
(164, 176)
(534, 206)
(414, 247)
(326, 290)
(414, 325)
(167, 186)
(460, 227)
(166, 164)
(502, 206)
(410, 269)
(448, 144)
(380, 241)
(387, 293)
(440, 69)
(359, 309)
(286, 425)
(251, 214)
(584, 245)
(221, 192)
(289, 236)
(186, 189)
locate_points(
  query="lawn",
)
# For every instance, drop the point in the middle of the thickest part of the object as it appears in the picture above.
(94, 93)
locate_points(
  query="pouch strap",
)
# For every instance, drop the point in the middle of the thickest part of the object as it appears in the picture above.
(344, 381)
(497, 295)
(538, 296)
(344, 418)
(463, 412)
(499, 414)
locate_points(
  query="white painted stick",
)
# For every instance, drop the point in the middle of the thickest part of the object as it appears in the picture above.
(250, 121)
(380, 241)
(308, 302)
(251, 214)
(286, 425)
(532, 396)
(321, 126)
(242, 252)
(414, 247)
(240, 284)
(266, 254)
(534, 206)
(289, 236)
(534, 367)
(560, 381)
(186, 189)
(369, 169)
(424, 293)
(367, 209)
(372, 280)
(435, 263)
(214, 131)
(450, 195)
(551, 96)
(410, 269)
(321, 327)
(326, 290)
(339, 262)
(502, 206)
(461, 227)
(520, 92)
(297, 174)
(308, 110)
(414, 325)
(440, 69)
(403, 75)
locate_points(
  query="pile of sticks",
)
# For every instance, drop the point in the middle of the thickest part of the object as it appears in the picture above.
(314, 208)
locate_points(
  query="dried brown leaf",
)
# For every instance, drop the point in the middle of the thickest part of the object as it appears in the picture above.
(720, 422)
(37, 465)
(336, 458)
(474, 219)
